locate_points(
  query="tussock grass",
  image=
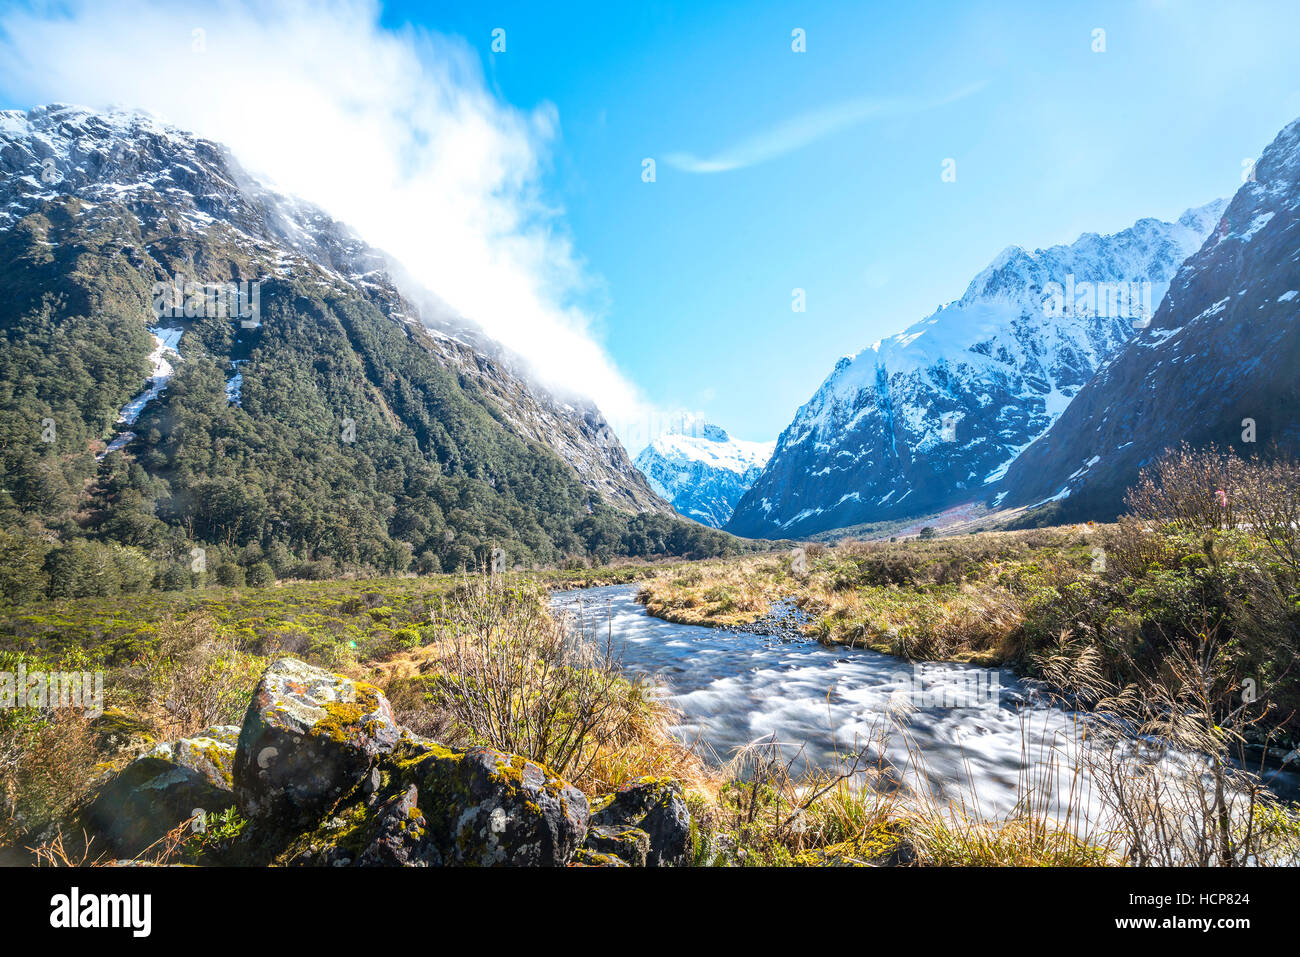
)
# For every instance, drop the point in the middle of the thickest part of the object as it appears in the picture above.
(961, 599)
(502, 672)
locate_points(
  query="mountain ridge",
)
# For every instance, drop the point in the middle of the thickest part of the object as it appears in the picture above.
(1216, 365)
(926, 418)
(336, 432)
(701, 469)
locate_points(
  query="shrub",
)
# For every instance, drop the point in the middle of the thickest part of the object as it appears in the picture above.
(195, 677)
(230, 574)
(259, 575)
(518, 681)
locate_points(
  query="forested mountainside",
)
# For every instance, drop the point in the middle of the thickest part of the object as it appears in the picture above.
(321, 428)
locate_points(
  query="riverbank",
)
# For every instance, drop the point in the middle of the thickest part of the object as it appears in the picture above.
(967, 599)
(1086, 606)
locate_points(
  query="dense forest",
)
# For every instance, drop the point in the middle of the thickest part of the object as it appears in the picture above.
(354, 447)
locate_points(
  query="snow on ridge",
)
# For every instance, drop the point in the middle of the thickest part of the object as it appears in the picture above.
(949, 402)
(949, 337)
(734, 455)
(701, 469)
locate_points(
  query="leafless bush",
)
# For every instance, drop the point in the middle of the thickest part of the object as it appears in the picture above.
(1170, 759)
(519, 681)
(1192, 490)
(1271, 507)
(195, 677)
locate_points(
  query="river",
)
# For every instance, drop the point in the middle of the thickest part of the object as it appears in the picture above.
(975, 737)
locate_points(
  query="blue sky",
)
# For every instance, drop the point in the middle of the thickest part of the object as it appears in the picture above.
(698, 269)
(686, 282)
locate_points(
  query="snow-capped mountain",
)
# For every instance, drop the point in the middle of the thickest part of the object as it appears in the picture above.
(180, 204)
(1218, 363)
(931, 416)
(702, 470)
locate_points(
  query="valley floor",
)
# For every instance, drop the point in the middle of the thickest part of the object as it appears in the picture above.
(1145, 621)
(967, 598)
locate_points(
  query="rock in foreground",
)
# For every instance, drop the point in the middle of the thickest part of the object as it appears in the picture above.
(163, 788)
(655, 806)
(435, 806)
(323, 775)
(308, 738)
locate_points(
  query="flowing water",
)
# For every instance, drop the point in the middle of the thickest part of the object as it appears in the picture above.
(973, 736)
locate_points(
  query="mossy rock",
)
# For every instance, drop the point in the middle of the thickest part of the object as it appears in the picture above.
(656, 806)
(629, 844)
(163, 788)
(586, 857)
(309, 737)
(427, 805)
(485, 807)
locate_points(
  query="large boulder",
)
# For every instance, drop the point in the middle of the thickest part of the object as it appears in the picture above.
(309, 737)
(656, 806)
(164, 787)
(427, 805)
(485, 807)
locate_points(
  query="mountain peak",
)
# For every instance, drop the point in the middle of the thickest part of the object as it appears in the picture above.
(1220, 352)
(925, 418)
(701, 469)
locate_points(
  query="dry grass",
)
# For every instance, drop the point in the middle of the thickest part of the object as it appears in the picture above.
(52, 763)
(502, 672)
(79, 851)
(960, 599)
(193, 677)
(955, 841)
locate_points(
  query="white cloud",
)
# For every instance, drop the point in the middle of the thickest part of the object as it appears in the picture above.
(799, 131)
(393, 132)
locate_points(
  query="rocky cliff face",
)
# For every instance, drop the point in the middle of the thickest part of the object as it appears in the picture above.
(1218, 364)
(702, 470)
(932, 416)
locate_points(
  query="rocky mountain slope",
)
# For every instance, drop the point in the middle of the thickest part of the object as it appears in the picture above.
(1223, 348)
(163, 174)
(702, 470)
(332, 416)
(930, 417)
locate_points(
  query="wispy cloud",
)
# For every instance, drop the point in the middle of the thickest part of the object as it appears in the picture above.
(799, 131)
(394, 132)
